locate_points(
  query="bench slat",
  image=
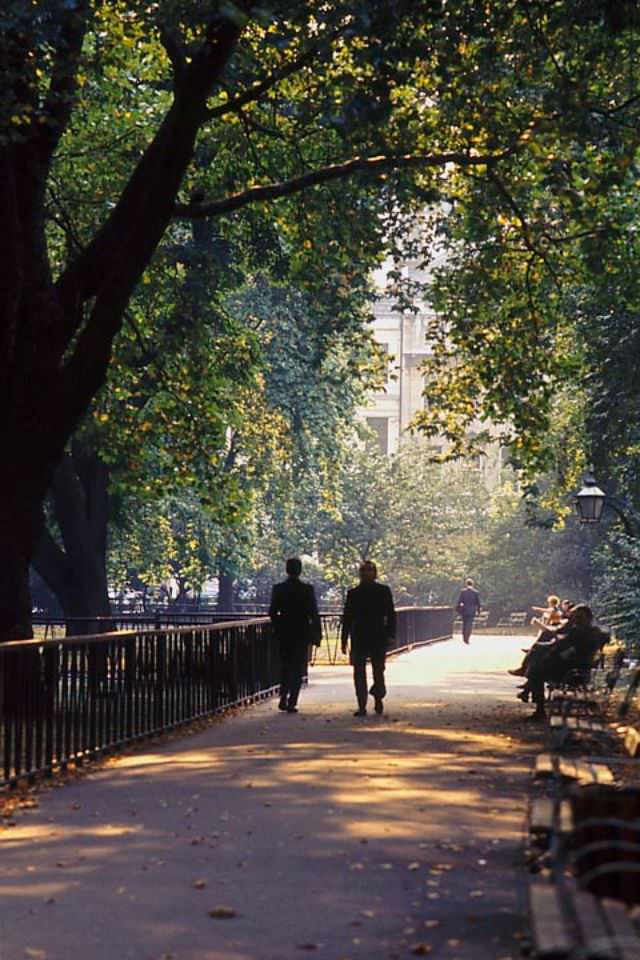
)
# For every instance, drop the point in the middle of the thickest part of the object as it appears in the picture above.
(551, 936)
(597, 941)
(544, 765)
(566, 817)
(632, 741)
(584, 772)
(542, 810)
(622, 929)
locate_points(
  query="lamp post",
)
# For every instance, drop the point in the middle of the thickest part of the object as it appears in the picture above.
(590, 502)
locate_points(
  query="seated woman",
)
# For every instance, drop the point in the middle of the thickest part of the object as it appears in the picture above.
(552, 613)
(574, 647)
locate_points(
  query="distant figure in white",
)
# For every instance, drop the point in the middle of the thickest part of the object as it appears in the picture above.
(468, 607)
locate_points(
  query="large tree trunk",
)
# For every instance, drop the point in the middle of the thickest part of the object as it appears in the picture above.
(20, 525)
(76, 571)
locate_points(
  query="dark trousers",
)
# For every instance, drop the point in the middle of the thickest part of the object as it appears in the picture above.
(293, 660)
(467, 627)
(378, 690)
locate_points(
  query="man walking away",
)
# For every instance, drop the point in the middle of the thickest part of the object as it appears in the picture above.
(370, 620)
(296, 621)
(468, 606)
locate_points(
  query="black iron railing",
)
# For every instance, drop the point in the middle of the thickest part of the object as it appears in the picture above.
(414, 626)
(51, 628)
(74, 699)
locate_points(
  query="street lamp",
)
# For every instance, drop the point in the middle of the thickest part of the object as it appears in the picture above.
(590, 501)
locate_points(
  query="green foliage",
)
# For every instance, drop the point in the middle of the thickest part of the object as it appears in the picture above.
(616, 599)
(243, 354)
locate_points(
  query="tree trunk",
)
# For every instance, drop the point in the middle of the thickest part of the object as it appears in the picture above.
(76, 571)
(225, 592)
(20, 524)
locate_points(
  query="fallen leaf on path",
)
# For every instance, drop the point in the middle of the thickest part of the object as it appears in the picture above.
(199, 884)
(430, 924)
(222, 913)
(308, 946)
(414, 865)
(421, 949)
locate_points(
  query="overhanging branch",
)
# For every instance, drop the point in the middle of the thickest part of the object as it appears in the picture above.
(335, 171)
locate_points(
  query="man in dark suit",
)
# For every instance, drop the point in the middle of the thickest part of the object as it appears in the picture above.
(468, 606)
(369, 619)
(296, 621)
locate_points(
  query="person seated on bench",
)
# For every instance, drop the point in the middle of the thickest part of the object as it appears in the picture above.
(573, 649)
(555, 614)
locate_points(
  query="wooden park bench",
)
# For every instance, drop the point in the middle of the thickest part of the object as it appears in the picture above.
(577, 709)
(482, 620)
(580, 924)
(582, 908)
(517, 619)
(586, 772)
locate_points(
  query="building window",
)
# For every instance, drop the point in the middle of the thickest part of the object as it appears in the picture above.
(379, 426)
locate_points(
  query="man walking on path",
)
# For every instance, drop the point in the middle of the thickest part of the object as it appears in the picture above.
(370, 620)
(296, 621)
(468, 606)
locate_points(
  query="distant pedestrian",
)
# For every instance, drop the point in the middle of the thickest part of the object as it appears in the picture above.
(369, 619)
(468, 607)
(296, 621)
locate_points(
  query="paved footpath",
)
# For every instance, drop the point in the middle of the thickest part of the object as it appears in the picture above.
(319, 833)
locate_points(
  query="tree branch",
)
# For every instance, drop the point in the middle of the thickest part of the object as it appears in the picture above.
(122, 248)
(255, 92)
(63, 84)
(172, 43)
(376, 166)
(52, 564)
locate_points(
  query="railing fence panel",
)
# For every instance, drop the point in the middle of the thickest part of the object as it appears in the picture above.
(72, 699)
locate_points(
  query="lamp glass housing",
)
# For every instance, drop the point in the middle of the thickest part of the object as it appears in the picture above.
(590, 503)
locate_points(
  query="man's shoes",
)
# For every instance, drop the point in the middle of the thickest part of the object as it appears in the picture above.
(360, 713)
(518, 672)
(292, 709)
(523, 695)
(282, 704)
(379, 706)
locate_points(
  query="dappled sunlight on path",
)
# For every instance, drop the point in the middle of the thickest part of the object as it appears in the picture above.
(319, 832)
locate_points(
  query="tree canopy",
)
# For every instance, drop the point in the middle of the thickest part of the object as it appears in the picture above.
(294, 140)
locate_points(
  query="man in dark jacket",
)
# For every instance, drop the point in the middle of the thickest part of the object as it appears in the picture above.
(295, 619)
(468, 606)
(370, 620)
